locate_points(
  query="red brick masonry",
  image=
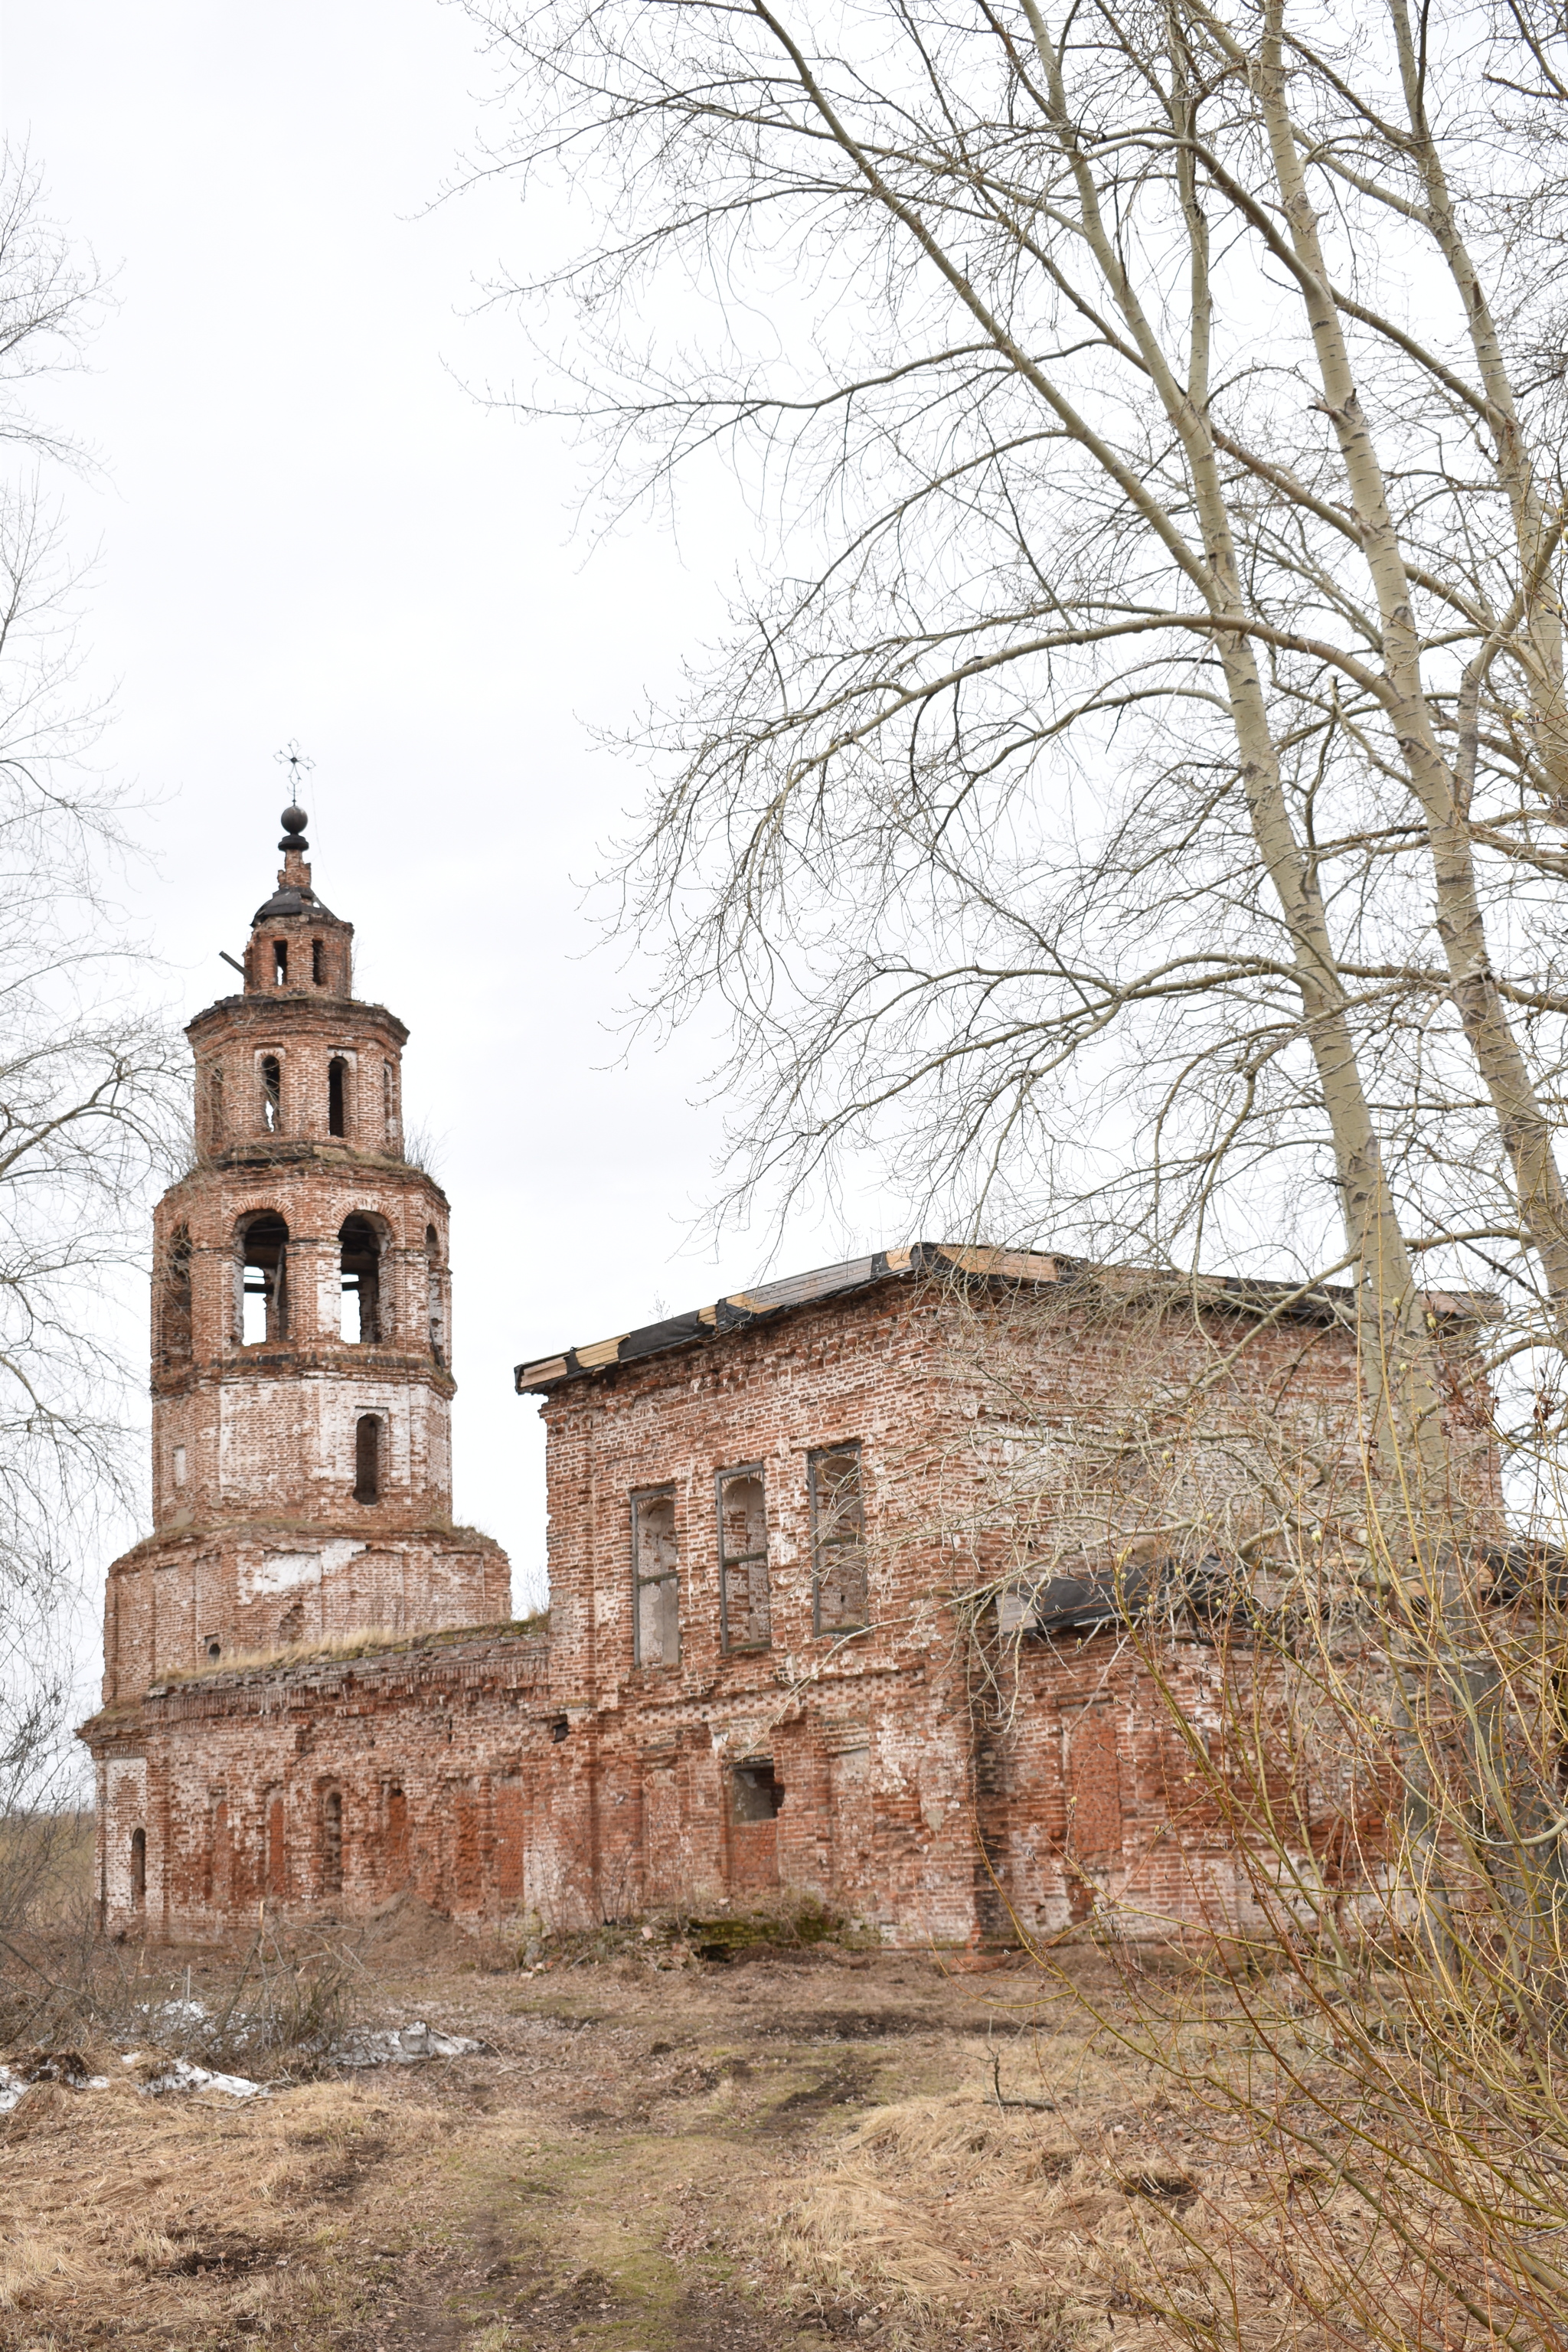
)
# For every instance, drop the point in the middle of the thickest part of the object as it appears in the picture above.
(764, 1517)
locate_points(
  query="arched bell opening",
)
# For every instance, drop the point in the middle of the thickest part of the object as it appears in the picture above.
(175, 1299)
(359, 1247)
(437, 1278)
(263, 1281)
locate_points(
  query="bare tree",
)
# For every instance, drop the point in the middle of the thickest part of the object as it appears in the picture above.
(1130, 798)
(84, 1098)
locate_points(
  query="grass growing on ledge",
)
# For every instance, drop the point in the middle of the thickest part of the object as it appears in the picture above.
(368, 1642)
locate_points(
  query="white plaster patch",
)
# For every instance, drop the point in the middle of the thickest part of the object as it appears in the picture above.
(281, 1571)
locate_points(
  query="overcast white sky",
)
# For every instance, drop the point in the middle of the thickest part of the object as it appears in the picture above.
(305, 526)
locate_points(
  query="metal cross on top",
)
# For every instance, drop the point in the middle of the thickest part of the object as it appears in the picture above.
(297, 765)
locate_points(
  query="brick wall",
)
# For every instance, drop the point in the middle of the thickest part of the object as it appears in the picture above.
(933, 1780)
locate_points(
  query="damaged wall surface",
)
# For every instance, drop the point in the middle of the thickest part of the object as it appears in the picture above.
(793, 1645)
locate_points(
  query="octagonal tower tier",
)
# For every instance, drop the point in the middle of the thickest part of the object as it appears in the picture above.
(301, 1380)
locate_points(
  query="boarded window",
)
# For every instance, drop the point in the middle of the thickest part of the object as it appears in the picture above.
(333, 1842)
(337, 1096)
(838, 1540)
(138, 1867)
(174, 1300)
(264, 1281)
(359, 1259)
(656, 1571)
(272, 1094)
(367, 1458)
(743, 1560)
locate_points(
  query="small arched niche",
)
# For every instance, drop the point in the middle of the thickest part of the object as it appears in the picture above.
(367, 1458)
(333, 1841)
(359, 1259)
(263, 1280)
(175, 1299)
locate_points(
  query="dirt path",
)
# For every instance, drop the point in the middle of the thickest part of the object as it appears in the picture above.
(601, 2175)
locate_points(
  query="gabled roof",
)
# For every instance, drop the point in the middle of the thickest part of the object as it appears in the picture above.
(743, 1307)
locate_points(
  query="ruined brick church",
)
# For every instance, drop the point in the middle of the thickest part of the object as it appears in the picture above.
(754, 1676)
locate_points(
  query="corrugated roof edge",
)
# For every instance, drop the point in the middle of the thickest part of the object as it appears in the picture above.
(742, 1306)
(1318, 1302)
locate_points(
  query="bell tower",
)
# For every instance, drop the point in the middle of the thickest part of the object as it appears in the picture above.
(302, 1348)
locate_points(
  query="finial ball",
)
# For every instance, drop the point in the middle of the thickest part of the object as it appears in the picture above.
(294, 818)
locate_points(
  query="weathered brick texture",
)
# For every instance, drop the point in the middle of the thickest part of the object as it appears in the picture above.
(760, 1674)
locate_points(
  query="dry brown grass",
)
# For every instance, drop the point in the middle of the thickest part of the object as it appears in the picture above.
(185, 2213)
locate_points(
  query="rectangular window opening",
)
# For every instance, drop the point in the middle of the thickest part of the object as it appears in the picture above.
(840, 1599)
(656, 1574)
(743, 1610)
(271, 1092)
(756, 1794)
(281, 963)
(318, 962)
(337, 1074)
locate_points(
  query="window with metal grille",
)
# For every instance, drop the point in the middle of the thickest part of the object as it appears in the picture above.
(655, 1575)
(743, 1614)
(839, 1601)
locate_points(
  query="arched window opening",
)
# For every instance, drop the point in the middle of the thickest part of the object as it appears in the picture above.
(271, 1092)
(264, 1291)
(397, 1837)
(337, 1095)
(437, 1284)
(174, 1301)
(359, 1260)
(276, 1848)
(138, 1868)
(214, 1108)
(318, 962)
(388, 1100)
(367, 1458)
(333, 1842)
(281, 963)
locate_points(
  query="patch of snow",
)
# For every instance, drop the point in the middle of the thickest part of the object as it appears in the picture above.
(401, 2045)
(179, 2074)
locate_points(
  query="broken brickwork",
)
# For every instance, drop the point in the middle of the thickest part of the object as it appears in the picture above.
(768, 1673)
